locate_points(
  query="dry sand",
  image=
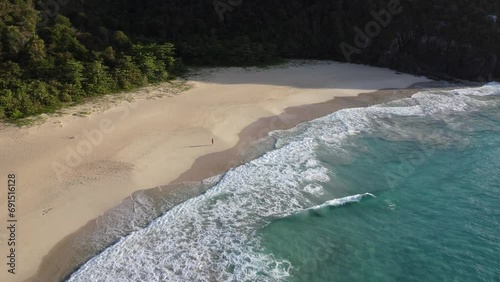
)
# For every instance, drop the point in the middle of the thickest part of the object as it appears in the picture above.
(73, 168)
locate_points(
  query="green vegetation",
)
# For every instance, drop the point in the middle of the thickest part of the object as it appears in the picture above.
(93, 47)
(43, 69)
(453, 38)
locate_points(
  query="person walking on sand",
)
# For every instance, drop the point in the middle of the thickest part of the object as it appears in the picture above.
(212, 141)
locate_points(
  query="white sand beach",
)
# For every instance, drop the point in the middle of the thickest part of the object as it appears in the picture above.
(72, 168)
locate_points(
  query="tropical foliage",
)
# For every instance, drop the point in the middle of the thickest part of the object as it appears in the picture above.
(44, 68)
(60, 52)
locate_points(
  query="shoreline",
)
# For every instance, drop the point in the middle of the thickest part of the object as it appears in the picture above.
(292, 116)
(195, 181)
(155, 139)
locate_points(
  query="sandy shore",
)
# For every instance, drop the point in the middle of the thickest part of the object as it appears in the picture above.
(72, 169)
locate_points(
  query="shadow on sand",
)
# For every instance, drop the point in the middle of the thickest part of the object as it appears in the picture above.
(197, 146)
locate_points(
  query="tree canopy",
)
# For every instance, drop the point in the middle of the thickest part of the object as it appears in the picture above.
(43, 68)
(69, 50)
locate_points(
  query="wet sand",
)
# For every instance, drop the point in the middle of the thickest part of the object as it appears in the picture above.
(75, 166)
(149, 204)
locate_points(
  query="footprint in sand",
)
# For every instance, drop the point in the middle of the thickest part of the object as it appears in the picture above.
(46, 211)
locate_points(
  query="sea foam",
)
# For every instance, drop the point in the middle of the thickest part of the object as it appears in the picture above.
(213, 237)
(342, 201)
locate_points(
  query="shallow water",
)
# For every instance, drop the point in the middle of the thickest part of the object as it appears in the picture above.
(408, 190)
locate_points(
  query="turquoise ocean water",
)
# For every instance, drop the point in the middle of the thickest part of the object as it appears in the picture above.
(404, 191)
